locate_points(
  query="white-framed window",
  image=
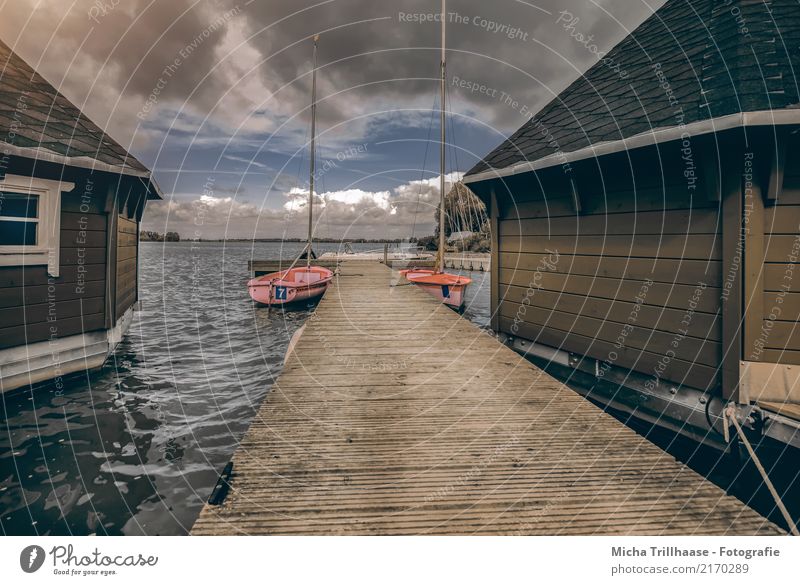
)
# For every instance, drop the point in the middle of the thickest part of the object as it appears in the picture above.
(30, 221)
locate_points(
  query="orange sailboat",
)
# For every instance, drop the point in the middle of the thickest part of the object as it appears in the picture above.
(297, 283)
(448, 288)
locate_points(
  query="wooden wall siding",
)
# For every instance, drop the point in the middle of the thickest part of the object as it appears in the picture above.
(676, 246)
(629, 230)
(670, 270)
(127, 253)
(778, 337)
(596, 201)
(75, 300)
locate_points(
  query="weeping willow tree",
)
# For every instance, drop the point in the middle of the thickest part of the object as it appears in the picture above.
(464, 212)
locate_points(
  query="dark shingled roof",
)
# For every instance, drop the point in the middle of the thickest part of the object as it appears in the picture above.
(34, 115)
(717, 57)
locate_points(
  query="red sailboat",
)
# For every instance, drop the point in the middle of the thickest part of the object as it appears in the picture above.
(297, 283)
(448, 288)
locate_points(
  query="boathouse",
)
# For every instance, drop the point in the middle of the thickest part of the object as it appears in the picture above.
(71, 200)
(646, 222)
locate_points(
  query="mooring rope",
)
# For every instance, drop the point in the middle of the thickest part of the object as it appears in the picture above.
(730, 414)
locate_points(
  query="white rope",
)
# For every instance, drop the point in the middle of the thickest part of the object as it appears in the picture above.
(730, 413)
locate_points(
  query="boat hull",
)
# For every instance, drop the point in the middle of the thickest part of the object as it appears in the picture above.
(450, 289)
(290, 286)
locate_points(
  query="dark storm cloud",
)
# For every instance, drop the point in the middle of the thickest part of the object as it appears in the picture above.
(375, 55)
(389, 50)
(195, 85)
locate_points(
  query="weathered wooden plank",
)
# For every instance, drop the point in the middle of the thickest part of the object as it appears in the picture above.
(782, 219)
(13, 316)
(468, 438)
(126, 225)
(781, 335)
(676, 296)
(690, 349)
(619, 201)
(35, 275)
(72, 256)
(696, 247)
(126, 253)
(677, 371)
(83, 239)
(41, 331)
(74, 203)
(782, 248)
(697, 324)
(126, 239)
(678, 271)
(126, 282)
(34, 295)
(780, 356)
(82, 221)
(782, 277)
(683, 221)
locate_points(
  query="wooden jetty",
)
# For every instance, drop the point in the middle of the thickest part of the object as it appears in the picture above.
(394, 415)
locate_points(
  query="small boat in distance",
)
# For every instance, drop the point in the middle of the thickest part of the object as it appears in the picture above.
(297, 283)
(448, 288)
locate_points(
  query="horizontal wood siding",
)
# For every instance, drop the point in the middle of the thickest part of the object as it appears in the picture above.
(35, 307)
(632, 278)
(778, 340)
(127, 252)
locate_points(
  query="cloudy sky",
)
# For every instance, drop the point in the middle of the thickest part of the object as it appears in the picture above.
(214, 95)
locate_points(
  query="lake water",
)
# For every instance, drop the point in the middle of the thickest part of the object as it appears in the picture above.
(137, 447)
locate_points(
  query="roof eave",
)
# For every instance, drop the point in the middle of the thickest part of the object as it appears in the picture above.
(154, 192)
(651, 138)
(83, 162)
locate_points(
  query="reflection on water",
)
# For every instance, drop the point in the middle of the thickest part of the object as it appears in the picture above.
(136, 447)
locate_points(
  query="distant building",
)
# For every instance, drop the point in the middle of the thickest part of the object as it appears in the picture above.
(71, 201)
(646, 221)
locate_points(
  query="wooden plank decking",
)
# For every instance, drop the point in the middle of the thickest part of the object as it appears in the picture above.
(396, 416)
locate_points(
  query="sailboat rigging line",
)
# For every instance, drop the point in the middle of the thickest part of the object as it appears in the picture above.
(422, 171)
(442, 145)
(323, 207)
(312, 156)
(449, 288)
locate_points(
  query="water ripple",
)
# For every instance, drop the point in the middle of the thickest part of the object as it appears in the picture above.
(136, 448)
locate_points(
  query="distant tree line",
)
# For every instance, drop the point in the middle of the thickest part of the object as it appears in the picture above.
(146, 236)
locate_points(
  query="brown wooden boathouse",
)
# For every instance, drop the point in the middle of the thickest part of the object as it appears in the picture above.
(71, 200)
(647, 225)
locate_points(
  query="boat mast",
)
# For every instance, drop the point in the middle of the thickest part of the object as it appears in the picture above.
(440, 255)
(312, 155)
